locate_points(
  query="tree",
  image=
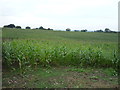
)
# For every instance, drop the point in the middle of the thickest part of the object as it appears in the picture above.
(9, 26)
(48, 28)
(5, 26)
(41, 27)
(76, 30)
(28, 27)
(98, 31)
(84, 30)
(107, 30)
(68, 29)
(18, 27)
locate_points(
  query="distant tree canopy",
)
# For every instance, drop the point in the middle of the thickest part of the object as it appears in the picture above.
(28, 27)
(9, 26)
(107, 30)
(84, 30)
(18, 27)
(76, 30)
(49, 29)
(41, 27)
(5, 26)
(98, 31)
(68, 29)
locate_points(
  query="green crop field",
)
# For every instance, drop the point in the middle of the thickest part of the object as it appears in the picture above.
(23, 49)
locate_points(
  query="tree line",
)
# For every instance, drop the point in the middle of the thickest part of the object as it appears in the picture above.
(85, 30)
(68, 29)
(27, 27)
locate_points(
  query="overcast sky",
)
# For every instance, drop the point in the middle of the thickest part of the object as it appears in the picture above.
(60, 14)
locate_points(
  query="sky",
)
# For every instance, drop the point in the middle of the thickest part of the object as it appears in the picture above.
(60, 14)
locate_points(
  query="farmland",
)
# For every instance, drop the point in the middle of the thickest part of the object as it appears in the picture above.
(24, 50)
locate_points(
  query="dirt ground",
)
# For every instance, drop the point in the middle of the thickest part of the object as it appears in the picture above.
(62, 77)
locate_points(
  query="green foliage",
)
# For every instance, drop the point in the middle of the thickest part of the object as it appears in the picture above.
(107, 30)
(94, 77)
(18, 27)
(84, 30)
(28, 27)
(110, 72)
(78, 70)
(9, 26)
(32, 53)
(68, 29)
(35, 48)
(88, 37)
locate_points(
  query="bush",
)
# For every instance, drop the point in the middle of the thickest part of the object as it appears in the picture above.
(18, 27)
(84, 30)
(68, 29)
(28, 27)
(9, 26)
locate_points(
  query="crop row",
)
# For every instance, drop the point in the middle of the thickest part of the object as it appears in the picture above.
(26, 53)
